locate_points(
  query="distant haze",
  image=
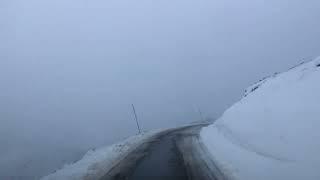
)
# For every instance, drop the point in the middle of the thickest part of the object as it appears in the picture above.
(70, 69)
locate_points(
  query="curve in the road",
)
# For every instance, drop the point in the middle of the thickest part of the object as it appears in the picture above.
(172, 155)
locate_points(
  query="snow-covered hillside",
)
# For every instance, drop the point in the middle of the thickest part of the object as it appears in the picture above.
(274, 131)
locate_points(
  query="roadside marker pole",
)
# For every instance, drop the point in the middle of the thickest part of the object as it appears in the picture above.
(201, 116)
(136, 118)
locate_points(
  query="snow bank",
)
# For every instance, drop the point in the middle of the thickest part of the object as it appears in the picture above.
(97, 162)
(274, 131)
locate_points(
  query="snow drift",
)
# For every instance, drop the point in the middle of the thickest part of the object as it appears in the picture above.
(273, 132)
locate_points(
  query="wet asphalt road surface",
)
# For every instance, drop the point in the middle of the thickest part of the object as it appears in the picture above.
(173, 155)
(162, 163)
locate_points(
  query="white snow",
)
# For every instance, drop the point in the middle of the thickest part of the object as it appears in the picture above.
(97, 162)
(274, 131)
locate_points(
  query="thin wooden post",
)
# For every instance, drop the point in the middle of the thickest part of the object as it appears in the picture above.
(136, 118)
(201, 116)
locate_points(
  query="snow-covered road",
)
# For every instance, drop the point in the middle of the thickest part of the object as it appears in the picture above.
(175, 155)
(271, 133)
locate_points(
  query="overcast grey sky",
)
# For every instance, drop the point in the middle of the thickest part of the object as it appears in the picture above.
(69, 69)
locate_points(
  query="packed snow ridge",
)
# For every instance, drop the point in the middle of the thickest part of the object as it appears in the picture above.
(273, 132)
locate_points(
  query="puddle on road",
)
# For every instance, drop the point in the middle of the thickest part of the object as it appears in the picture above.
(162, 163)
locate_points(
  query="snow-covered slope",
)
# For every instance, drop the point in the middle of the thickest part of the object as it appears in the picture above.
(274, 131)
(97, 162)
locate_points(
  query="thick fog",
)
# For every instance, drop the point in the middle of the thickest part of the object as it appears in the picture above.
(70, 69)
